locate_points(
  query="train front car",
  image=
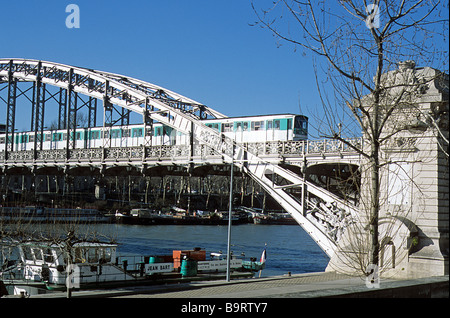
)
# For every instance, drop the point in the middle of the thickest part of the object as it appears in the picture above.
(280, 127)
(300, 131)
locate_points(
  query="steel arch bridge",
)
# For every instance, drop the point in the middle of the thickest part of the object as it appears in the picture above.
(123, 95)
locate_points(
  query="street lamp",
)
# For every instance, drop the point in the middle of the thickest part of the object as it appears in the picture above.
(230, 205)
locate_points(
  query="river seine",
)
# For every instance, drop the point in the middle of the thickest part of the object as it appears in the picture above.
(289, 248)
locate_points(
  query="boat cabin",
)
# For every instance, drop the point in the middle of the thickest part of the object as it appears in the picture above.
(90, 262)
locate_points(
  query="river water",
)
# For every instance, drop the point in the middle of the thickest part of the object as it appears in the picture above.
(289, 248)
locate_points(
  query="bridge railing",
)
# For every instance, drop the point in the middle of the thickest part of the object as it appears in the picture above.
(182, 152)
(284, 148)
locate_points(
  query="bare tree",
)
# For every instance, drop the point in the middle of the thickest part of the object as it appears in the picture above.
(364, 46)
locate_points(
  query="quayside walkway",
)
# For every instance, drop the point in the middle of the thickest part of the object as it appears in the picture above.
(309, 285)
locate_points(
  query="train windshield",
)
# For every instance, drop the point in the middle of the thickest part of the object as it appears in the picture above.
(301, 126)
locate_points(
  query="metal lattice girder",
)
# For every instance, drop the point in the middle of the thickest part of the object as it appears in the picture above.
(72, 101)
(92, 113)
(33, 106)
(164, 95)
(62, 111)
(123, 91)
(107, 117)
(11, 111)
(39, 110)
(148, 122)
(92, 105)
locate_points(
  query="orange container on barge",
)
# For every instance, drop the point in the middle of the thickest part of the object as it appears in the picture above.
(197, 254)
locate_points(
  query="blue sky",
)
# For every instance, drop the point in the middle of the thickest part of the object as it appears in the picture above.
(203, 49)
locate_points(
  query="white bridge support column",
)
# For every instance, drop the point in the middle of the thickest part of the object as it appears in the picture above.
(414, 199)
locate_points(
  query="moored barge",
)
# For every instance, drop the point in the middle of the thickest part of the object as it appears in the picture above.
(41, 267)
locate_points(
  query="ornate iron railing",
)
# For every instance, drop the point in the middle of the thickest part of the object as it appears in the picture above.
(176, 152)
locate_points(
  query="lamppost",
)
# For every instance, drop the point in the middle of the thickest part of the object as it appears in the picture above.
(230, 206)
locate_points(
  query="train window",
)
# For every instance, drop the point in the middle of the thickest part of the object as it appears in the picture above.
(157, 131)
(126, 132)
(301, 126)
(289, 124)
(241, 126)
(257, 125)
(276, 124)
(137, 132)
(115, 133)
(2, 140)
(227, 127)
(31, 138)
(215, 126)
(148, 132)
(269, 124)
(48, 137)
(21, 139)
(95, 134)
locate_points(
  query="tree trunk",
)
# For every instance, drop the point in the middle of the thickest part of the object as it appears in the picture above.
(374, 206)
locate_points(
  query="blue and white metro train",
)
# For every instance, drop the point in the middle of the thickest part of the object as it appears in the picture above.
(282, 127)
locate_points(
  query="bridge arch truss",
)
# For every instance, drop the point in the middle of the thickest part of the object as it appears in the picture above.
(324, 217)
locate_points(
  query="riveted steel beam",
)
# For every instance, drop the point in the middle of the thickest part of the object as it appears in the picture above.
(92, 107)
(11, 111)
(62, 110)
(71, 114)
(39, 108)
(148, 124)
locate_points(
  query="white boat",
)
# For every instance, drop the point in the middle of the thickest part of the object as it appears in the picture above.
(40, 267)
(48, 266)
